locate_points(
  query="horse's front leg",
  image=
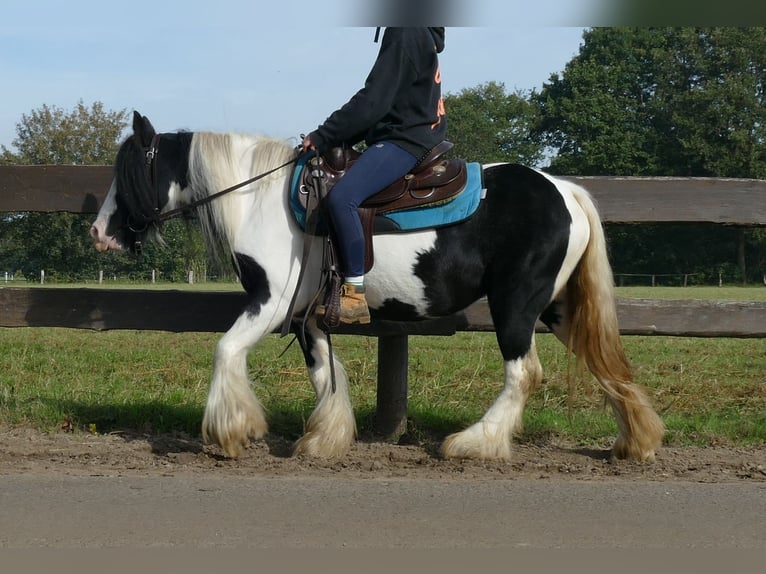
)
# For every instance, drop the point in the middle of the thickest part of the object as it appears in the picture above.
(233, 414)
(331, 428)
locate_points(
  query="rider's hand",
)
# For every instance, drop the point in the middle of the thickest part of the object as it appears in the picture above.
(307, 145)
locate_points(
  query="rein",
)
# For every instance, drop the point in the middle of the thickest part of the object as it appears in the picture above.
(151, 174)
(157, 218)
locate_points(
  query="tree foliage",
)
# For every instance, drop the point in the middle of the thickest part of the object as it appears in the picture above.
(660, 101)
(665, 102)
(58, 243)
(487, 124)
(82, 136)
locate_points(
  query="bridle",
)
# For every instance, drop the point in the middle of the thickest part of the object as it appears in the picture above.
(157, 218)
(153, 204)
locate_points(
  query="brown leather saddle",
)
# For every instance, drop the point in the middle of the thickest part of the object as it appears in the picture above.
(432, 181)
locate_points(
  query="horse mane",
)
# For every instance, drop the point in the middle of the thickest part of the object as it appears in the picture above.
(218, 161)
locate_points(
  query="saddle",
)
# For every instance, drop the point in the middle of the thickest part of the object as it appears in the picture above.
(434, 180)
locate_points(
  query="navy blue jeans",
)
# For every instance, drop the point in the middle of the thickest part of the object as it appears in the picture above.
(378, 167)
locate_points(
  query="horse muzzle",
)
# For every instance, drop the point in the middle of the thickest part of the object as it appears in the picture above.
(101, 241)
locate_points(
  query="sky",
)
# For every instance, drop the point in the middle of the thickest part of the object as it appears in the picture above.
(276, 68)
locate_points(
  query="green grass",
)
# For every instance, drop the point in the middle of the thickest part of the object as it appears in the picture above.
(727, 293)
(709, 391)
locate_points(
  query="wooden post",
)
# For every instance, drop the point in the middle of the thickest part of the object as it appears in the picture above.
(42, 276)
(393, 359)
(100, 276)
(742, 239)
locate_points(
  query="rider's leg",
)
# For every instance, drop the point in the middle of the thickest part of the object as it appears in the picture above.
(378, 167)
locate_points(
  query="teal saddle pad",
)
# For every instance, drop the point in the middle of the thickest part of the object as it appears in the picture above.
(460, 207)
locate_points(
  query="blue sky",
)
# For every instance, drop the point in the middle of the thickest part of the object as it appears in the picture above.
(239, 65)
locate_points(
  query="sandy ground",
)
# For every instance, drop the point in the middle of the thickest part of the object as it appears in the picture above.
(30, 452)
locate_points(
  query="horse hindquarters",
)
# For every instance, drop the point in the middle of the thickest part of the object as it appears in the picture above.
(555, 247)
(590, 329)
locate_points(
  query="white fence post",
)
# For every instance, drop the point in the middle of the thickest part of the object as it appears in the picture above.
(100, 276)
(42, 276)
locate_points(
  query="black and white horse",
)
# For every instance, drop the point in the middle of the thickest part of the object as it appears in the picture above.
(535, 249)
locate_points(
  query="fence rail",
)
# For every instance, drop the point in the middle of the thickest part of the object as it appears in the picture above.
(81, 189)
(215, 311)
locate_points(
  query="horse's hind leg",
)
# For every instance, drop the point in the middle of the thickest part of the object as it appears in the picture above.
(331, 428)
(640, 429)
(491, 437)
(233, 414)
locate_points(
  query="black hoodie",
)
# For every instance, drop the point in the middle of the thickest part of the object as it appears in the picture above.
(401, 99)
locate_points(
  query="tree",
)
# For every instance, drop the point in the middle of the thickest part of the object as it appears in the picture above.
(57, 242)
(83, 136)
(667, 101)
(664, 102)
(487, 124)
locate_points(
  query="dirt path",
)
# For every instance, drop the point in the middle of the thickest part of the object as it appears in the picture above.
(29, 452)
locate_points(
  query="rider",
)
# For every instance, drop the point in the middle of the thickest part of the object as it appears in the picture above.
(399, 114)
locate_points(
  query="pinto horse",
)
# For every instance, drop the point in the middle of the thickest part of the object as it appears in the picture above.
(535, 248)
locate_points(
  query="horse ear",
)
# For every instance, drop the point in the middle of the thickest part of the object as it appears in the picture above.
(143, 129)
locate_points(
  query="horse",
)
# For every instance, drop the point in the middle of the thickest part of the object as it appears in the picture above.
(535, 248)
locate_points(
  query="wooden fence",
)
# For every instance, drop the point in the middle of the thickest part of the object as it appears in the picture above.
(81, 189)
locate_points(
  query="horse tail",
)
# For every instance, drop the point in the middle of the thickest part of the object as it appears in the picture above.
(594, 338)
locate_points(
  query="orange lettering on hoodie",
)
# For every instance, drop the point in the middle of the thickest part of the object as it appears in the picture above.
(440, 111)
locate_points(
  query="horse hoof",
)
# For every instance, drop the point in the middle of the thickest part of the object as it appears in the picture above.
(625, 450)
(234, 441)
(314, 445)
(469, 445)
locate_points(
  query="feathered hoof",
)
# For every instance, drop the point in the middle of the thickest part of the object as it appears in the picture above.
(330, 432)
(314, 444)
(234, 439)
(624, 449)
(475, 444)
